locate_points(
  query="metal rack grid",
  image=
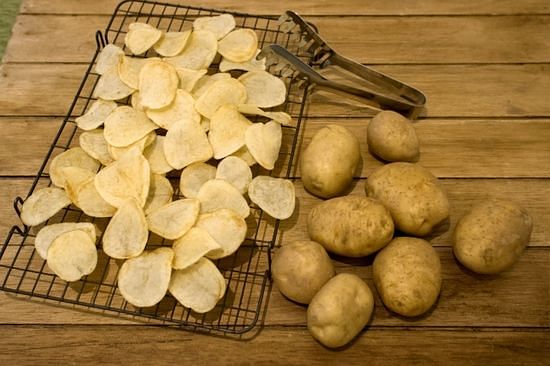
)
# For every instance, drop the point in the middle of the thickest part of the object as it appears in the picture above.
(22, 271)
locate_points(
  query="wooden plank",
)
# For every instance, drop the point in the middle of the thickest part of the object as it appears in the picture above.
(47, 345)
(452, 90)
(310, 7)
(383, 40)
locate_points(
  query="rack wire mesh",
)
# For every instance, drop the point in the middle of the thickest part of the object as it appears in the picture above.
(247, 272)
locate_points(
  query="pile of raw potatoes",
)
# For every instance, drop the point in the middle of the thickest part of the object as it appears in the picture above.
(400, 196)
(181, 117)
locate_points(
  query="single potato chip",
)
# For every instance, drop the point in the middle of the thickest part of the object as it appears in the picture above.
(91, 203)
(48, 234)
(206, 81)
(199, 286)
(224, 91)
(199, 52)
(43, 204)
(141, 37)
(218, 193)
(239, 46)
(194, 176)
(227, 228)
(154, 153)
(125, 125)
(264, 142)
(172, 43)
(235, 171)
(72, 255)
(219, 25)
(143, 280)
(263, 89)
(189, 77)
(129, 69)
(160, 193)
(111, 87)
(244, 154)
(158, 82)
(127, 232)
(174, 219)
(281, 117)
(94, 144)
(186, 143)
(205, 124)
(74, 177)
(227, 131)
(251, 65)
(108, 58)
(183, 107)
(73, 157)
(191, 247)
(95, 115)
(276, 196)
(141, 144)
(135, 102)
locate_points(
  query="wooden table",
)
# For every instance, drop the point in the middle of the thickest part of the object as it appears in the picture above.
(485, 67)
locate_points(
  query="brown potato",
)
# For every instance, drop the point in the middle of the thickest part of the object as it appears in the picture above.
(340, 310)
(412, 194)
(392, 137)
(330, 161)
(352, 226)
(407, 275)
(491, 237)
(300, 269)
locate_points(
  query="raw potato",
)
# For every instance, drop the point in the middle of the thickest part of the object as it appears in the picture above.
(392, 137)
(491, 237)
(173, 220)
(412, 194)
(353, 226)
(300, 269)
(43, 204)
(276, 196)
(194, 176)
(48, 234)
(407, 275)
(72, 255)
(330, 161)
(340, 310)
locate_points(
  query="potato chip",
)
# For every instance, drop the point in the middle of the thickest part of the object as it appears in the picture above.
(48, 234)
(94, 144)
(108, 58)
(235, 171)
(43, 204)
(91, 203)
(127, 177)
(135, 102)
(158, 82)
(227, 130)
(127, 232)
(183, 107)
(129, 68)
(220, 25)
(205, 124)
(227, 228)
(199, 286)
(191, 247)
(160, 193)
(206, 81)
(224, 91)
(186, 143)
(154, 153)
(74, 177)
(189, 77)
(172, 43)
(72, 255)
(239, 46)
(199, 52)
(276, 196)
(264, 142)
(96, 114)
(141, 37)
(141, 145)
(126, 125)
(251, 65)
(174, 219)
(218, 193)
(143, 280)
(263, 89)
(111, 87)
(194, 176)
(73, 157)
(281, 117)
(244, 154)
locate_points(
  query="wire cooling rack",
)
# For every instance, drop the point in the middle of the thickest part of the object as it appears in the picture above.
(22, 271)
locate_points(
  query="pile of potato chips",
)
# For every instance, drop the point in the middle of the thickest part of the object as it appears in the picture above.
(181, 117)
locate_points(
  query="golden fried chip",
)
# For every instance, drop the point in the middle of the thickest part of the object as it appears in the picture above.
(189, 77)
(172, 43)
(194, 176)
(227, 130)
(227, 228)
(74, 177)
(73, 157)
(276, 196)
(220, 25)
(235, 171)
(174, 219)
(218, 193)
(90, 201)
(239, 46)
(199, 286)
(199, 52)
(129, 69)
(251, 65)
(158, 82)
(264, 142)
(206, 81)
(205, 124)
(186, 143)
(49, 233)
(108, 58)
(94, 144)
(111, 87)
(224, 91)
(96, 114)
(160, 193)
(281, 117)
(141, 145)
(135, 102)
(183, 107)
(141, 37)
(143, 280)
(244, 154)
(191, 247)
(154, 153)
(126, 125)
(72, 255)
(263, 89)
(43, 204)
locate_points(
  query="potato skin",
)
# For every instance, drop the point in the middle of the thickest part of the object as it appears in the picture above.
(300, 269)
(330, 161)
(353, 226)
(407, 275)
(340, 310)
(412, 194)
(392, 137)
(491, 237)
